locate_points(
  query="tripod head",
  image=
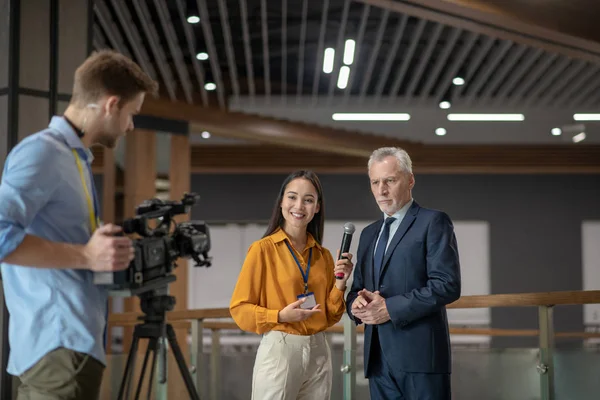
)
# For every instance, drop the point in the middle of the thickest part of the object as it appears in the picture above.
(155, 305)
(155, 300)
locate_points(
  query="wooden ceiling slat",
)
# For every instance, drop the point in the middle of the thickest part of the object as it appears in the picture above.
(559, 26)
(266, 130)
(429, 159)
(282, 146)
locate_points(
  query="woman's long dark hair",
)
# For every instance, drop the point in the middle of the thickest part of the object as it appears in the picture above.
(315, 227)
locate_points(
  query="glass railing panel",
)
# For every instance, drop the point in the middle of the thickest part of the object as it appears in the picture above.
(495, 374)
(577, 374)
(478, 373)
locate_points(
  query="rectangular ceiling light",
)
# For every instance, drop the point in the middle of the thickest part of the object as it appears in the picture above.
(349, 52)
(586, 117)
(370, 117)
(343, 77)
(328, 60)
(486, 117)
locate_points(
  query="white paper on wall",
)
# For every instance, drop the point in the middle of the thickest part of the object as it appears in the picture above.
(212, 287)
(590, 248)
(474, 252)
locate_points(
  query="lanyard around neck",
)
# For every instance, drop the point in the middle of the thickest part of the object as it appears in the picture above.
(92, 213)
(304, 275)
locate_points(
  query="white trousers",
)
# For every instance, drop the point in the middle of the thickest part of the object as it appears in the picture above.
(292, 367)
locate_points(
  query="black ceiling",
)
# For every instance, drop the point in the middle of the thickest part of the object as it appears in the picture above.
(275, 48)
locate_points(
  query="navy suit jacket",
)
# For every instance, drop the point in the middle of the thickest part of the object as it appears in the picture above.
(420, 275)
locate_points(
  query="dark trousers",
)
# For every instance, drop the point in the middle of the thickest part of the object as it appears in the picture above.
(386, 385)
(62, 374)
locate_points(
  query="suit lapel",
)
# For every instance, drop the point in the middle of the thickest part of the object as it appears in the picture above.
(407, 221)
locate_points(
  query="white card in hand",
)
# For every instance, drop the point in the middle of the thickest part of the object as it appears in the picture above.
(310, 301)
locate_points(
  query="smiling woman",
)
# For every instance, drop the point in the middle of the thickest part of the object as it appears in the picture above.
(287, 291)
(299, 205)
(304, 185)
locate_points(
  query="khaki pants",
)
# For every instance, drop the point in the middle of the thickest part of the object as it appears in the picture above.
(292, 367)
(62, 374)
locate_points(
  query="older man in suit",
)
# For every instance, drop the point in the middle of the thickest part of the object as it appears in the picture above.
(407, 271)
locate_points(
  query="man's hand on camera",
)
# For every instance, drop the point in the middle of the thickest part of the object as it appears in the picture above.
(106, 252)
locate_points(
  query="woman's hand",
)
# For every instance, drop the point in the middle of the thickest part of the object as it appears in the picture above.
(343, 266)
(293, 313)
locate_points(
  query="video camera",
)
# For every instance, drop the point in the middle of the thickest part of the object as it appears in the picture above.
(162, 242)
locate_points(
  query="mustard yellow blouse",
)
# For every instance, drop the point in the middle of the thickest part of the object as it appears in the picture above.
(270, 280)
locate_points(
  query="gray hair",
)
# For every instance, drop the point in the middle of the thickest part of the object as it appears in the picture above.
(401, 155)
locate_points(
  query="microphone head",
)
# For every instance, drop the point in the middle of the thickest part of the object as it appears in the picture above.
(349, 228)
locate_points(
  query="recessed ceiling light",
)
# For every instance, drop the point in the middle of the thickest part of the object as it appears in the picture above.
(556, 131)
(486, 117)
(579, 137)
(444, 105)
(193, 19)
(440, 131)
(205, 135)
(458, 81)
(586, 117)
(210, 86)
(202, 56)
(370, 117)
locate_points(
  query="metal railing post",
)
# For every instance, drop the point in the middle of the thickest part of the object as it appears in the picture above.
(196, 369)
(349, 364)
(215, 365)
(545, 366)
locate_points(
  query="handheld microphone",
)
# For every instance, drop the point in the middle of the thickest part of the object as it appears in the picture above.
(345, 247)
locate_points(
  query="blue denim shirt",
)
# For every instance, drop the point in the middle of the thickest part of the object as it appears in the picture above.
(42, 194)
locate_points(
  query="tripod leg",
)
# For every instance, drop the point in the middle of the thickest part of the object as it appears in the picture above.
(152, 369)
(129, 367)
(183, 369)
(151, 347)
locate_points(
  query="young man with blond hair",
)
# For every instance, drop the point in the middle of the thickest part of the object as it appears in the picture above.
(51, 240)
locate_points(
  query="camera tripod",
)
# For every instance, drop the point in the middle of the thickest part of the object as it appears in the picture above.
(154, 306)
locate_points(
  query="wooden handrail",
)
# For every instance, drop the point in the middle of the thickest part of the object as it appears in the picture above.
(133, 317)
(200, 314)
(481, 301)
(220, 325)
(528, 299)
(181, 324)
